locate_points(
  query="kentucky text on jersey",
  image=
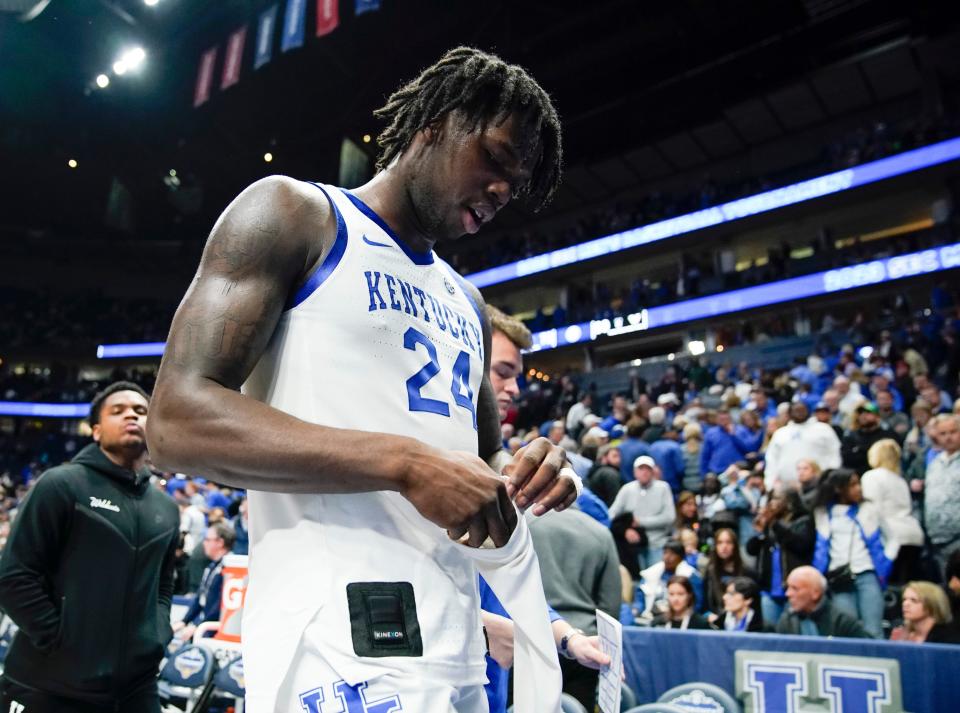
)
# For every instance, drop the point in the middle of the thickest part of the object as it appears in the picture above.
(389, 292)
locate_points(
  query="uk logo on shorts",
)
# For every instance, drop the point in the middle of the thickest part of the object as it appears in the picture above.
(344, 698)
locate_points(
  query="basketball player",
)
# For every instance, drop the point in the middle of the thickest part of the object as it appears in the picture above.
(329, 308)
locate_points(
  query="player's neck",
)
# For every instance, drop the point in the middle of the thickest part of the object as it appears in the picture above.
(387, 195)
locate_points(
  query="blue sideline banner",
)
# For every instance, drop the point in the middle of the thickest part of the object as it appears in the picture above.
(771, 673)
(294, 20)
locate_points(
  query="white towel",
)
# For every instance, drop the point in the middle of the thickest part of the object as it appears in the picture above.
(513, 573)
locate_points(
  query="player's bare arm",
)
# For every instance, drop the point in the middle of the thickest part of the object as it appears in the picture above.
(534, 472)
(259, 252)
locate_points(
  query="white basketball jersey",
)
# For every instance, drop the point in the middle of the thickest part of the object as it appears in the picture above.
(379, 339)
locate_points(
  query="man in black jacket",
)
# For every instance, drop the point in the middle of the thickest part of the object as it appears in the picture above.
(811, 613)
(857, 442)
(87, 574)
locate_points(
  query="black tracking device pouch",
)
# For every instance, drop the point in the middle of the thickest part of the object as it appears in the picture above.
(383, 619)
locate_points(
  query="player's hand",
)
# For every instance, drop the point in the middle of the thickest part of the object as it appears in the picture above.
(458, 491)
(631, 536)
(586, 650)
(535, 478)
(500, 638)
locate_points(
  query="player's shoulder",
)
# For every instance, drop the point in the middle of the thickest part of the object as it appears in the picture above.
(286, 197)
(295, 212)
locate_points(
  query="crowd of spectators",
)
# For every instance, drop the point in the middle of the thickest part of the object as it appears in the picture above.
(807, 501)
(698, 277)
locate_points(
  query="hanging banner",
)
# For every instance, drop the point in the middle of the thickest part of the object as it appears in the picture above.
(363, 6)
(293, 24)
(204, 77)
(233, 58)
(328, 16)
(265, 27)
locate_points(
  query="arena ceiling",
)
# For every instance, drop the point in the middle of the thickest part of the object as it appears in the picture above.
(638, 84)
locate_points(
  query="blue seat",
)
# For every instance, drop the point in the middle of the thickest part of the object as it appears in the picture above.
(187, 677)
(230, 679)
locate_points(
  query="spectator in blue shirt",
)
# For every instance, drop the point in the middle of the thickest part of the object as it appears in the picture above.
(620, 414)
(632, 447)
(214, 498)
(721, 447)
(668, 454)
(750, 431)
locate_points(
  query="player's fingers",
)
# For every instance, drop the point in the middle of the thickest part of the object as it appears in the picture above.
(526, 461)
(478, 530)
(544, 479)
(507, 510)
(496, 527)
(457, 533)
(507, 469)
(559, 497)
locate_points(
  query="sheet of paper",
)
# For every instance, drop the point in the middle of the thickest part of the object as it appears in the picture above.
(611, 642)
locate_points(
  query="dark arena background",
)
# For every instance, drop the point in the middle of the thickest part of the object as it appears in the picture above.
(750, 274)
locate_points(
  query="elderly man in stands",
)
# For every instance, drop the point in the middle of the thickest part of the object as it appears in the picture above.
(941, 488)
(650, 501)
(800, 438)
(811, 613)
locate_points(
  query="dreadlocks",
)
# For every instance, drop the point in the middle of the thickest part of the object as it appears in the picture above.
(482, 88)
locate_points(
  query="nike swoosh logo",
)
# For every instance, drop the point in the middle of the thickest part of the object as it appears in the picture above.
(368, 241)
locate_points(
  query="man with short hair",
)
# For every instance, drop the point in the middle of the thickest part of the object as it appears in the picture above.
(87, 574)
(811, 613)
(584, 547)
(941, 492)
(800, 438)
(650, 502)
(217, 544)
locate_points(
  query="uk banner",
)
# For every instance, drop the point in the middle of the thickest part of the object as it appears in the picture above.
(265, 31)
(363, 6)
(201, 92)
(328, 16)
(233, 58)
(293, 24)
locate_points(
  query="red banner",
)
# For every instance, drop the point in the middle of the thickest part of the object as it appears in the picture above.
(233, 58)
(328, 16)
(204, 76)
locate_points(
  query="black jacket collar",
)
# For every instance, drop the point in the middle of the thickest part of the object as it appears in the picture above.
(92, 457)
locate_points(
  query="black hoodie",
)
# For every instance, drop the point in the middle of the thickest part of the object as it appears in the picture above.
(87, 576)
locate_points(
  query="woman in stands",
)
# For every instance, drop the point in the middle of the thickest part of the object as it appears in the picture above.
(887, 488)
(926, 616)
(741, 607)
(725, 563)
(682, 604)
(688, 515)
(808, 476)
(784, 542)
(854, 549)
